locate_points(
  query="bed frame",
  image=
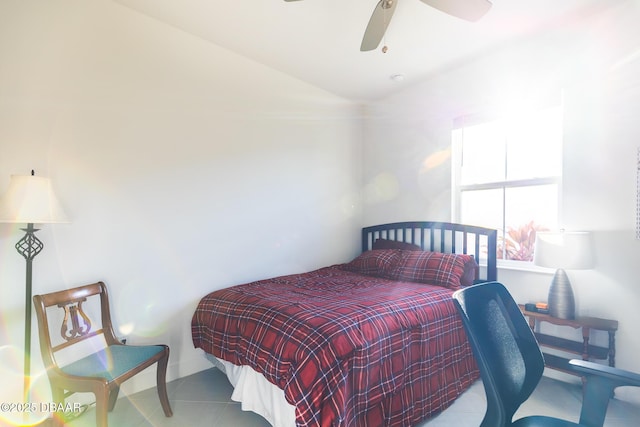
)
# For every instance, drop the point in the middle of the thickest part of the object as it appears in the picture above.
(441, 237)
(431, 236)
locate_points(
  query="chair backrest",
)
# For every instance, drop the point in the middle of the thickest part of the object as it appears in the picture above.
(76, 325)
(505, 348)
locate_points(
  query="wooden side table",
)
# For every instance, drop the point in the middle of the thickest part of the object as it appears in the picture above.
(586, 350)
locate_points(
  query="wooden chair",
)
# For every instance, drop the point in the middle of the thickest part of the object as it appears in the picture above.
(102, 371)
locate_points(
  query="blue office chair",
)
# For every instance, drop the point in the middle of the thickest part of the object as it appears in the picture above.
(511, 362)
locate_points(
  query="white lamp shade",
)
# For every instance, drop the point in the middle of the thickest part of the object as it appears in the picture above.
(30, 199)
(570, 250)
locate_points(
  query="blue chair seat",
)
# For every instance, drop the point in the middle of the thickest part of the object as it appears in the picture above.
(540, 421)
(112, 362)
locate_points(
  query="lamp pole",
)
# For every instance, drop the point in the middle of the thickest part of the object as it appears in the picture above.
(29, 246)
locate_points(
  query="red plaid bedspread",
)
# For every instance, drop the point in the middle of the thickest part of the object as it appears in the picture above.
(347, 349)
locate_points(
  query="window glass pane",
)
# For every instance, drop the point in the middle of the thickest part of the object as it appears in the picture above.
(534, 145)
(483, 153)
(528, 209)
(482, 208)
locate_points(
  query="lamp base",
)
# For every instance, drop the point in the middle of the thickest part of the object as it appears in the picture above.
(561, 301)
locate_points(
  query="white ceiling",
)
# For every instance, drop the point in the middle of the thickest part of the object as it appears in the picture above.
(318, 41)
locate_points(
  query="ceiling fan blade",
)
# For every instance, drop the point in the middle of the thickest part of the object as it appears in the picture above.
(469, 10)
(378, 24)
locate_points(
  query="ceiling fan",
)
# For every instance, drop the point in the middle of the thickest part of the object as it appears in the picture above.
(469, 10)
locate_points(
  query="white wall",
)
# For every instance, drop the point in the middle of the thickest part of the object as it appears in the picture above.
(597, 63)
(184, 168)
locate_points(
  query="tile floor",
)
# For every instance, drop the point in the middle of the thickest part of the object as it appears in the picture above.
(202, 399)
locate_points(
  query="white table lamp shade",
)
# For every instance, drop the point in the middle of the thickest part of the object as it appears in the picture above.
(569, 250)
(30, 199)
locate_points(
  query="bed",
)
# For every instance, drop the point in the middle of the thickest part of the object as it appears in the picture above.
(374, 341)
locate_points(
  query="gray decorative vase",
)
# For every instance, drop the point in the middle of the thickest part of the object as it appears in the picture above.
(561, 301)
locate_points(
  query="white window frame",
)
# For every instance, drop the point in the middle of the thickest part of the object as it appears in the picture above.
(458, 188)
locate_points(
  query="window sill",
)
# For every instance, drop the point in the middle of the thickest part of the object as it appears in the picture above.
(528, 267)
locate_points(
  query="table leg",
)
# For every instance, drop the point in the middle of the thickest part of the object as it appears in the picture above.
(612, 348)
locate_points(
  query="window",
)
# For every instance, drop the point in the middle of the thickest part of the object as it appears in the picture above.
(506, 175)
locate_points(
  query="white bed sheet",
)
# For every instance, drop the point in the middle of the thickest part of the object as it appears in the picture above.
(256, 394)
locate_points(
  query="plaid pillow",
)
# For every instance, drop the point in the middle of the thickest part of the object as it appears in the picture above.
(432, 268)
(377, 262)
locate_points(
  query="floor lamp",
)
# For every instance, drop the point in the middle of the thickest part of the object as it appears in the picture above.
(29, 200)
